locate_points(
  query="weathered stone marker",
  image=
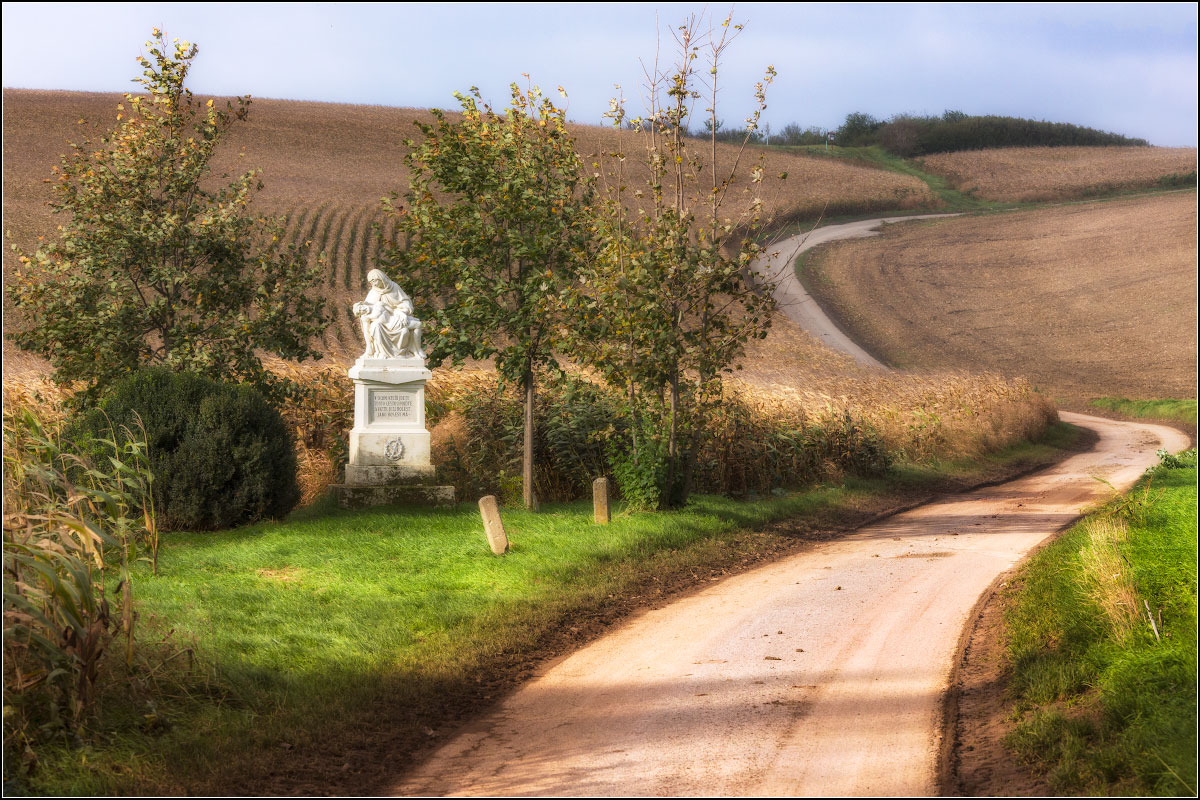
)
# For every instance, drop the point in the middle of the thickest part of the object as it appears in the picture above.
(492, 526)
(600, 501)
(389, 444)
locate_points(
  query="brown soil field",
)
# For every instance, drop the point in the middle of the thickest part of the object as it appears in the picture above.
(1024, 174)
(327, 166)
(1085, 300)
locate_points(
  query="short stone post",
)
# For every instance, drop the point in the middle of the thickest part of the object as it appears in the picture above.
(600, 501)
(492, 525)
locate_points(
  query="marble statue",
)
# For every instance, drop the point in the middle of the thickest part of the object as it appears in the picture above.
(388, 325)
(389, 459)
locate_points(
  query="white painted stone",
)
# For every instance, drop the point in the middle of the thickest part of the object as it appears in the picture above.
(493, 526)
(389, 442)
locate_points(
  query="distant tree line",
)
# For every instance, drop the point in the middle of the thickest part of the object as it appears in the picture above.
(914, 135)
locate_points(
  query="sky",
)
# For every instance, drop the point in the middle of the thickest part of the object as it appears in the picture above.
(1126, 68)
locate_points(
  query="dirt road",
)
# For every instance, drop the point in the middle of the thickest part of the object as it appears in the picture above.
(794, 300)
(818, 675)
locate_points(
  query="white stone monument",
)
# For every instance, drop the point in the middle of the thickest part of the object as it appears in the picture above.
(389, 444)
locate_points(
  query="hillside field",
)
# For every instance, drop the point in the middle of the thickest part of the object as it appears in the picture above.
(1086, 300)
(327, 166)
(1029, 174)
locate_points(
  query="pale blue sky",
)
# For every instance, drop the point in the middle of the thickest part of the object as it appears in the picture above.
(1125, 68)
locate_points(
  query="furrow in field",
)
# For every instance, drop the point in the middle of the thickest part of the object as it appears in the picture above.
(333, 241)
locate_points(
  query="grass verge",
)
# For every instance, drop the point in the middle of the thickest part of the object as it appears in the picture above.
(334, 646)
(1164, 409)
(1106, 703)
(952, 199)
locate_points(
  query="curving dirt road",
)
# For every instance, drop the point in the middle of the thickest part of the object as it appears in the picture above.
(821, 674)
(795, 301)
(818, 675)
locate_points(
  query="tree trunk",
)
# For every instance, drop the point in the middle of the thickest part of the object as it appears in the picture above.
(637, 420)
(689, 469)
(668, 496)
(527, 458)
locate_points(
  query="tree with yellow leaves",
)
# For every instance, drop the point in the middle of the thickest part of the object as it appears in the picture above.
(497, 226)
(157, 261)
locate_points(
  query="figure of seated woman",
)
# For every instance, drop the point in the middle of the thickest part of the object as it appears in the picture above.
(389, 328)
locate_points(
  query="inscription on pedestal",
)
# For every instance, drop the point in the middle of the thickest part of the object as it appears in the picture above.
(392, 406)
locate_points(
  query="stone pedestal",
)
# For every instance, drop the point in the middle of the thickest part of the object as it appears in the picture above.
(389, 445)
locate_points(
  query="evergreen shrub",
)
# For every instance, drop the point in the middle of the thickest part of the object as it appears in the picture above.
(220, 454)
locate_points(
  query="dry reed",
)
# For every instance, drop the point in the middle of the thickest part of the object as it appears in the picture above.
(751, 444)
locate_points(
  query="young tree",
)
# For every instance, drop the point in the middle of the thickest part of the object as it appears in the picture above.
(495, 226)
(670, 293)
(156, 262)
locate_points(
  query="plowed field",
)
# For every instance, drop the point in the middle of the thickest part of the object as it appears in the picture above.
(1085, 300)
(326, 167)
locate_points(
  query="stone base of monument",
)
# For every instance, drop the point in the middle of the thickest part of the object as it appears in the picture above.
(389, 445)
(413, 495)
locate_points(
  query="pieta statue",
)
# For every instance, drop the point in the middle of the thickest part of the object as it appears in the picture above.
(388, 325)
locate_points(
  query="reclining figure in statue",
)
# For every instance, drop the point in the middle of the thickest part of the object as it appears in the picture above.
(388, 325)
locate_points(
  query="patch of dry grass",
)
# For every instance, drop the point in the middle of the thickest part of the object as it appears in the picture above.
(29, 390)
(918, 416)
(1088, 300)
(924, 415)
(1024, 174)
(1108, 578)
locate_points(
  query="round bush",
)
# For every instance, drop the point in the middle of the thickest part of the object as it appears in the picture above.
(220, 454)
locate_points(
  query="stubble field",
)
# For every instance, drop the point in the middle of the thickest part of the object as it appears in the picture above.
(1027, 174)
(1087, 300)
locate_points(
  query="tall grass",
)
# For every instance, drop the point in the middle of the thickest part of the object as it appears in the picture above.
(71, 523)
(1108, 579)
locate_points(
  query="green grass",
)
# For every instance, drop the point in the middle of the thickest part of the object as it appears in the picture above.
(876, 156)
(1105, 707)
(1168, 408)
(335, 627)
(318, 618)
